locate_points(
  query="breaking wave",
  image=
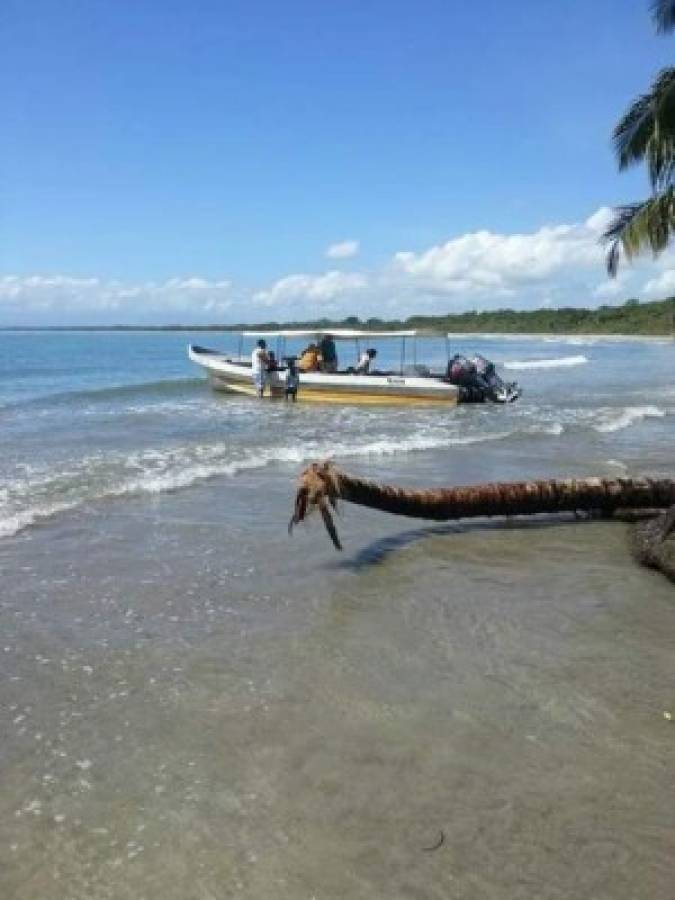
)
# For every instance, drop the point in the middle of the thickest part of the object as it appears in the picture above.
(615, 420)
(28, 501)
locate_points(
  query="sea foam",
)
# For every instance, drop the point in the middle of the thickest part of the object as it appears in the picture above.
(156, 471)
(618, 419)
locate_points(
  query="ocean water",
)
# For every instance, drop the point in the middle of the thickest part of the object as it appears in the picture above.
(195, 705)
(104, 416)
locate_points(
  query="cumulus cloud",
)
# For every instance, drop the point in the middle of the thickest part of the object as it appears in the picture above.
(64, 298)
(321, 289)
(342, 250)
(503, 264)
(555, 265)
(611, 288)
(662, 285)
(599, 221)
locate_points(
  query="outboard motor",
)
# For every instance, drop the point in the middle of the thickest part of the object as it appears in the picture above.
(496, 389)
(461, 371)
(478, 380)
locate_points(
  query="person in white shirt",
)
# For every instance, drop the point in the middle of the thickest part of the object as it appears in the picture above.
(366, 358)
(259, 362)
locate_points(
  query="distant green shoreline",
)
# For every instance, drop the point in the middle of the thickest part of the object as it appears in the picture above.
(632, 319)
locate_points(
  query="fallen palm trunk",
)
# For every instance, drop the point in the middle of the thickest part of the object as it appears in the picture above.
(321, 485)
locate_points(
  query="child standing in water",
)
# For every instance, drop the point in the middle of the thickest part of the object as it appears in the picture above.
(292, 380)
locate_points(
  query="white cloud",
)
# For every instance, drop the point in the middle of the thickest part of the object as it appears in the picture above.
(342, 250)
(599, 221)
(555, 265)
(64, 298)
(502, 264)
(661, 286)
(322, 289)
(611, 288)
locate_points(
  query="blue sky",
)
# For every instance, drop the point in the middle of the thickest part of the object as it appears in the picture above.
(164, 159)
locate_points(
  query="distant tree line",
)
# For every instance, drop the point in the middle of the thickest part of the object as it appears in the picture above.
(654, 318)
(633, 318)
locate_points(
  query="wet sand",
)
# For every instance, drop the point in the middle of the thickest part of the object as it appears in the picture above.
(195, 708)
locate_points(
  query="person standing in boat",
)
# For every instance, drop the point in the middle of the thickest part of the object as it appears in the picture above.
(309, 359)
(328, 354)
(259, 362)
(365, 360)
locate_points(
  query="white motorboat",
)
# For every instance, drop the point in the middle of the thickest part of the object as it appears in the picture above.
(409, 384)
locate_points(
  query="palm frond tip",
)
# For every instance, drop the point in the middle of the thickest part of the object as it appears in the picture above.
(639, 226)
(663, 13)
(647, 130)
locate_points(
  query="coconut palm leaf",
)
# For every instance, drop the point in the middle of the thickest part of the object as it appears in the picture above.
(663, 13)
(640, 226)
(647, 131)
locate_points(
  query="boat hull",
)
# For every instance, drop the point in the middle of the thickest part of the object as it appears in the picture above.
(233, 376)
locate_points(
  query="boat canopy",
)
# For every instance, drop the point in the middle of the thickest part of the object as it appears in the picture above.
(337, 333)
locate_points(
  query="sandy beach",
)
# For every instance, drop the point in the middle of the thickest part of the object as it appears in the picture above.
(186, 717)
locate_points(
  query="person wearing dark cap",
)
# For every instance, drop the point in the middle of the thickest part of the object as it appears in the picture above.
(366, 358)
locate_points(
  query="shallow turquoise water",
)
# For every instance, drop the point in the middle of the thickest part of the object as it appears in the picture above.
(93, 417)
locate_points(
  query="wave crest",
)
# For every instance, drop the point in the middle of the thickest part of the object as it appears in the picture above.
(623, 418)
(29, 501)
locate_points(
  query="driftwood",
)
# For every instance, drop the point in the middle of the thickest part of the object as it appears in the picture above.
(322, 485)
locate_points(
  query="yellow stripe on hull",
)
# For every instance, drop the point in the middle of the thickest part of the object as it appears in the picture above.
(371, 399)
(306, 394)
(230, 388)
